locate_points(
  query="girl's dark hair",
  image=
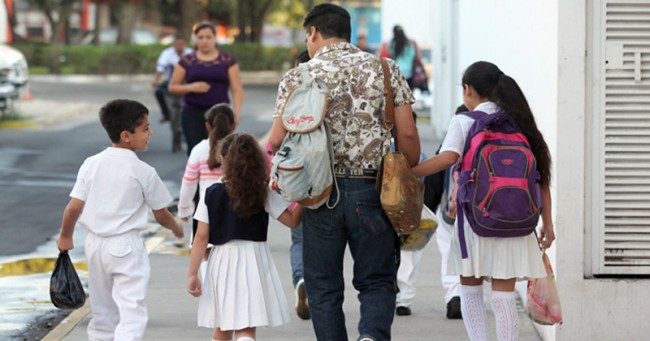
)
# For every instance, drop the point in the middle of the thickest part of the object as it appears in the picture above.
(245, 173)
(204, 24)
(222, 120)
(400, 41)
(490, 82)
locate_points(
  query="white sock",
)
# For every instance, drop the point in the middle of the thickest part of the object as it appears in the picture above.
(471, 306)
(245, 338)
(505, 314)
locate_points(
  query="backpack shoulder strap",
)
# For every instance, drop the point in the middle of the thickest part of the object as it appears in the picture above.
(474, 114)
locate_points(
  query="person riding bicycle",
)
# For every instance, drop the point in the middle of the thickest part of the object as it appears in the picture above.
(167, 60)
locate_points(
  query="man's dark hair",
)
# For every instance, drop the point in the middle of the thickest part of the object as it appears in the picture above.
(119, 115)
(330, 20)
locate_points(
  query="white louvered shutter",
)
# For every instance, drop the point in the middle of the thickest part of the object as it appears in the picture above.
(623, 144)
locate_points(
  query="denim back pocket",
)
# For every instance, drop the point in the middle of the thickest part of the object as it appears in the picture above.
(372, 218)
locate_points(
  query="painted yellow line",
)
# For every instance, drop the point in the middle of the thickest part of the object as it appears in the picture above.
(70, 322)
(18, 124)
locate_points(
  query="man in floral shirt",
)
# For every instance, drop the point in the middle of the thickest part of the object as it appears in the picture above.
(355, 115)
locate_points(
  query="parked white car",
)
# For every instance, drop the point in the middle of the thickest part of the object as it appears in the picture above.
(14, 76)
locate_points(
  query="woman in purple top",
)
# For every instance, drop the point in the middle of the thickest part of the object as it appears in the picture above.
(204, 77)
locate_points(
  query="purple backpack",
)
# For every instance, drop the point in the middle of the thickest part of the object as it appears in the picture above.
(498, 183)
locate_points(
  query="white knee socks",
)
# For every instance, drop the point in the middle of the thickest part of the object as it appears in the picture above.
(471, 306)
(505, 314)
(245, 338)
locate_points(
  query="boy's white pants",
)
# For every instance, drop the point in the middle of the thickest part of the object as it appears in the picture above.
(443, 238)
(118, 275)
(407, 275)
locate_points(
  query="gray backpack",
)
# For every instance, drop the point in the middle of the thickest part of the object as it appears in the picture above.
(302, 169)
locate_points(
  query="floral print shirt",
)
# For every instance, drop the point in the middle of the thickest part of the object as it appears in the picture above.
(355, 110)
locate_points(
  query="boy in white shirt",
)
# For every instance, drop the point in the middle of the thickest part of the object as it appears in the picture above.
(111, 199)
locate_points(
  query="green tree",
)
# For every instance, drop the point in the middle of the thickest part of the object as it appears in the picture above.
(57, 13)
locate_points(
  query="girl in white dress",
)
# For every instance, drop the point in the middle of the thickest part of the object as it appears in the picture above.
(242, 288)
(500, 260)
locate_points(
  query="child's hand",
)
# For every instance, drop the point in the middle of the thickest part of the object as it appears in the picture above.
(178, 231)
(64, 244)
(547, 236)
(185, 219)
(194, 286)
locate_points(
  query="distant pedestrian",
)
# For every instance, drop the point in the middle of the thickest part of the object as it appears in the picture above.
(409, 269)
(446, 215)
(501, 260)
(165, 64)
(204, 78)
(111, 198)
(403, 51)
(242, 288)
(355, 114)
(203, 167)
(362, 44)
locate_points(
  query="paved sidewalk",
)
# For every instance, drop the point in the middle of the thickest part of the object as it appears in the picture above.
(172, 311)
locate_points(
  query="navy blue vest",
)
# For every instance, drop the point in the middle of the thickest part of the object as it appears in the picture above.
(225, 225)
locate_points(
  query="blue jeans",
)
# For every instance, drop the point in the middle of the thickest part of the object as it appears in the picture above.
(295, 253)
(358, 221)
(161, 97)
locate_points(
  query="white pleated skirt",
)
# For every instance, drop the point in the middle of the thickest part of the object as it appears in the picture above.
(492, 257)
(242, 288)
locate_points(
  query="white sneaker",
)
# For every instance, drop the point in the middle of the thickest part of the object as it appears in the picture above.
(302, 307)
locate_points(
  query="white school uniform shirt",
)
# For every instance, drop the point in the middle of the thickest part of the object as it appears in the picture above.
(167, 61)
(118, 190)
(198, 173)
(459, 128)
(275, 205)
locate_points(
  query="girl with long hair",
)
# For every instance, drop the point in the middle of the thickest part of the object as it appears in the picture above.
(203, 167)
(502, 261)
(403, 51)
(242, 289)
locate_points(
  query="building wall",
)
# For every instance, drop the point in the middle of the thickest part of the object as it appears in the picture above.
(546, 46)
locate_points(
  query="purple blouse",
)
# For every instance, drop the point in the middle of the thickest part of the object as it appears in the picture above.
(214, 72)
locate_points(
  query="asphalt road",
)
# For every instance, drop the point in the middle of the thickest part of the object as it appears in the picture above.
(38, 168)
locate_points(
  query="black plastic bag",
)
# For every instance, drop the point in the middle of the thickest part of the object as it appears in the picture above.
(66, 291)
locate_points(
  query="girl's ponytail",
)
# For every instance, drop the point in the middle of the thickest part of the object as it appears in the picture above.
(223, 122)
(490, 82)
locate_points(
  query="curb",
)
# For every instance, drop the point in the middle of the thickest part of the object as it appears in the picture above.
(72, 320)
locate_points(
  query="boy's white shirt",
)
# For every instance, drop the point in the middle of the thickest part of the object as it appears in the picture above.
(275, 205)
(118, 190)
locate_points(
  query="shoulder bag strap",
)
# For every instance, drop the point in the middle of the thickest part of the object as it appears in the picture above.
(389, 109)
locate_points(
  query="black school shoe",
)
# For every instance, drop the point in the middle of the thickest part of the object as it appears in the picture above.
(403, 311)
(453, 308)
